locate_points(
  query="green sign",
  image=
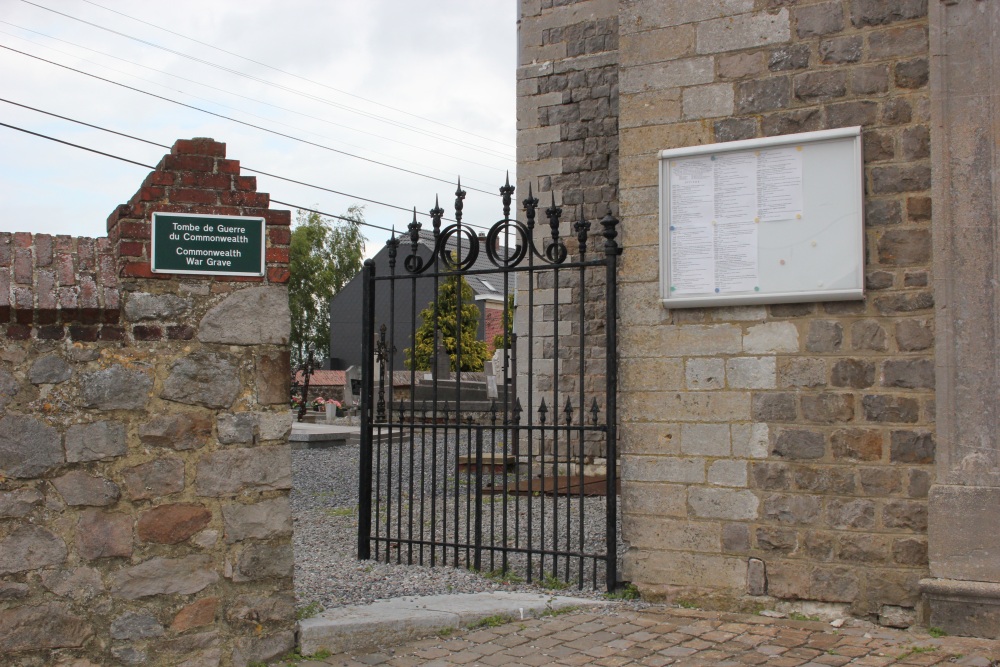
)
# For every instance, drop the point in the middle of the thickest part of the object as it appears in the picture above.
(207, 244)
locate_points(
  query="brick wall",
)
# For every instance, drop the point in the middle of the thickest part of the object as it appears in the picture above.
(797, 436)
(144, 466)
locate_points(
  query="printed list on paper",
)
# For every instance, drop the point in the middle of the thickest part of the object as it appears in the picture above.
(716, 203)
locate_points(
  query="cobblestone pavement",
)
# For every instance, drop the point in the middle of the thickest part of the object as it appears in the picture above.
(667, 636)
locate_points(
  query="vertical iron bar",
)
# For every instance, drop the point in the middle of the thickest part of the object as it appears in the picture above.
(365, 454)
(529, 209)
(555, 423)
(611, 251)
(478, 563)
(583, 418)
(399, 488)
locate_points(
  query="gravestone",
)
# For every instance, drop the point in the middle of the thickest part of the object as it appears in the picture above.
(352, 386)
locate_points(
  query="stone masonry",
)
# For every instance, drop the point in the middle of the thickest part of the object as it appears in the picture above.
(144, 465)
(780, 450)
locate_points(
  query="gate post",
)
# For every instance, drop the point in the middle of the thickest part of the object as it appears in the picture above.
(611, 251)
(367, 393)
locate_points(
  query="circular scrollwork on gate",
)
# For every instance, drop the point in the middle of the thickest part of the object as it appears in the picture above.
(493, 246)
(556, 252)
(414, 263)
(456, 262)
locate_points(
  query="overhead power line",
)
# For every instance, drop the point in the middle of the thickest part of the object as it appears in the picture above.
(256, 171)
(301, 78)
(228, 92)
(237, 120)
(294, 91)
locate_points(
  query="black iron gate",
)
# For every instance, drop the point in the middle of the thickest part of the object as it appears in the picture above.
(512, 473)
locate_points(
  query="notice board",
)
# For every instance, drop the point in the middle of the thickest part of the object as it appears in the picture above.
(207, 244)
(773, 220)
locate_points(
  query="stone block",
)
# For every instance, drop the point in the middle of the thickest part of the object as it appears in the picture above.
(163, 576)
(905, 178)
(914, 335)
(663, 469)
(912, 73)
(821, 479)
(136, 625)
(197, 614)
(910, 247)
(770, 476)
(665, 76)
(705, 439)
(841, 50)
(28, 447)
(80, 584)
(728, 473)
(908, 373)
(649, 438)
(735, 129)
(771, 338)
(735, 538)
(227, 473)
(19, 503)
(878, 12)
(262, 521)
(863, 549)
(744, 31)
(790, 57)
(827, 408)
(171, 524)
(50, 369)
(672, 534)
(658, 499)
(910, 551)
(890, 409)
(98, 441)
(854, 373)
(847, 114)
(857, 444)
(711, 101)
(906, 515)
(705, 374)
(236, 428)
(181, 431)
(104, 535)
(868, 335)
(750, 441)
(251, 316)
(762, 95)
(716, 503)
(115, 388)
(274, 378)
(79, 488)
(854, 514)
(912, 447)
(51, 625)
(29, 547)
(203, 378)
(141, 306)
(684, 406)
(274, 425)
(870, 80)
(264, 561)
(820, 86)
(751, 372)
(879, 481)
(154, 479)
(658, 45)
(801, 372)
(663, 374)
(741, 65)
(256, 650)
(793, 509)
(824, 336)
(791, 122)
(775, 539)
(774, 407)
(799, 444)
(819, 20)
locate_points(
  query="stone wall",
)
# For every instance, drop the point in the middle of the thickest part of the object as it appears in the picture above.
(144, 466)
(783, 449)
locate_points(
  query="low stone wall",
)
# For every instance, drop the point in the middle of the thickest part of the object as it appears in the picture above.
(144, 465)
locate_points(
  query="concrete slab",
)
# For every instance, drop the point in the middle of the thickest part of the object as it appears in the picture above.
(319, 436)
(365, 627)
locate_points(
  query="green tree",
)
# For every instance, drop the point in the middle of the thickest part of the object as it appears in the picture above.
(323, 256)
(474, 351)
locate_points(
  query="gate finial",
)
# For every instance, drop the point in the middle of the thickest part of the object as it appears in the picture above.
(436, 214)
(530, 204)
(506, 190)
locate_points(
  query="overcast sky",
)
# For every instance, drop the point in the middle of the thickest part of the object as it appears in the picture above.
(425, 86)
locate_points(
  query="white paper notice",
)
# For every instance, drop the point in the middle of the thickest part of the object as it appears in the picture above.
(779, 184)
(735, 187)
(736, 257)
(692, 191)
(692, 259)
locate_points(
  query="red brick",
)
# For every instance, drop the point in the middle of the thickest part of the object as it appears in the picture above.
(86, 255)
(67, 298)
(6, 248)
(88, 293)
(22, 266)
(277, 274)
(256, 199)
(147, 332)
(89, 315)
(248, 183)
(180, 332)
(22, 239)
(65, 269)
(112, 333)
(160, 178)
(86, 334)
(46, 316)
(283, 218)
(133, 229)
(107, 271)
(4, 313)
(277, 255)
(199, 146)
(45, 290)
(141, 270)
(18, 332)
(64, 244)
(4, 289)
(104, 246)
(52, 332)
(229, 166)
(131, 249)
(121, 211)
(149, 193)
(279, 235)
(111, 303)
(43, 250)
(188, 195)
(239, 279)
(187, 163)
(196, 179)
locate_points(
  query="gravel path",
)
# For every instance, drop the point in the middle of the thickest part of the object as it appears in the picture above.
(327, 573)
